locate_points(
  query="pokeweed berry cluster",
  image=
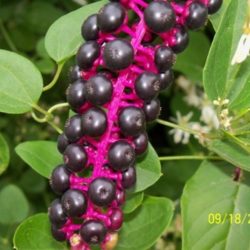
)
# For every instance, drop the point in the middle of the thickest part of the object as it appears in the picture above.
(125, 62)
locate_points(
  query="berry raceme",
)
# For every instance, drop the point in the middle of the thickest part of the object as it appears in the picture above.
(120, 70)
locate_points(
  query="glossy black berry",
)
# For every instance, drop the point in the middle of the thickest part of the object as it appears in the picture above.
(118, 54)
(75, 73)
(76, 94)
(116, 219)
(214, 5)
(56, 214)
(59, 180)
(93, 231)
(99, 89)
(75, 157)
(197, 15)
(131, 121)
(166, 79)
(90, 30)
(181, 39)
(164, 58)
(87, 54)
(57, 233)
(121, 155)
(62, 143)
(129, 177)
(74, 203)
(141, 143)
(159, 16)
(147, 85)
(152, 109)
(111, 17)
(73, 128)
(120, 196)
(102, 191)
(94, 122)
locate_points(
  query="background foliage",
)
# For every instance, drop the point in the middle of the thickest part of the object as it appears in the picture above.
(39, 38)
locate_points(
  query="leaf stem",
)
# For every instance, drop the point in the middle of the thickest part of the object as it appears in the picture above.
(57, 106)
(7, 37)
(173, 125)
(189, 157)
(52, 124)
(55, 78)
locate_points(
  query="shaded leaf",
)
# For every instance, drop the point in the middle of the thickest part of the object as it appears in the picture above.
(4, 154)
(132, 202)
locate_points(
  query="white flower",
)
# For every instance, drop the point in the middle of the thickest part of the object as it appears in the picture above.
(192, 98)
(183, 83)
(209, 117)
(243, 48)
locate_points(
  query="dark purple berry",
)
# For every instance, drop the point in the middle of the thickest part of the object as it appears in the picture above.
(214, 5)
(74, 203)
(94, 122)
(73, 128)
(131, 121)
(76, 94)
(59, 180)
(99, 89)
(181, 39)
(102, 191)
(121, 155)
(62, 143)
(147, 85)
(57, 233)
(166, 79)
(120, 197)
(129, 177)
(93, 231)
(164, 58)
(152, 109)
(197, 15)
(87, 54)
(75, 73)
(90, 30)
(141, 143)
(75, 157)
(111, 17)
(159, 16)
(118, 54)
(56, 214)
(116, 219)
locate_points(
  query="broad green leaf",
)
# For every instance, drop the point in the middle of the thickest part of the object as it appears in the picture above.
(231, 152)
(64, 36)
(45, 65)
(192, 60)
(212, 191)
(218, 74)
(20, 83)
(217, 17)
(146, 224)
(4, 154)
(42, 156)
(132, 202)
(14, 205)
(148, 170)
(34, 234)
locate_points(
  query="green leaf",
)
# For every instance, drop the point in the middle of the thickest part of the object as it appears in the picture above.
(42, 156)
(218, 74)
(148, 170)
(145, 225)
(20, 83)
(132, 202)
(14, 205)
(231, 152)
(4, 154)
(45, 65)
(64, 36)
(192, 60)
(211, 191)
(34, 233)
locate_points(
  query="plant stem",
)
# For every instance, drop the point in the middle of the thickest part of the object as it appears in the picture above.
(173, 125)
(7, 37)
(57, 106)
(56, 76)
(37, 119)
(55, 127)
(189, 157)
(40, 109)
